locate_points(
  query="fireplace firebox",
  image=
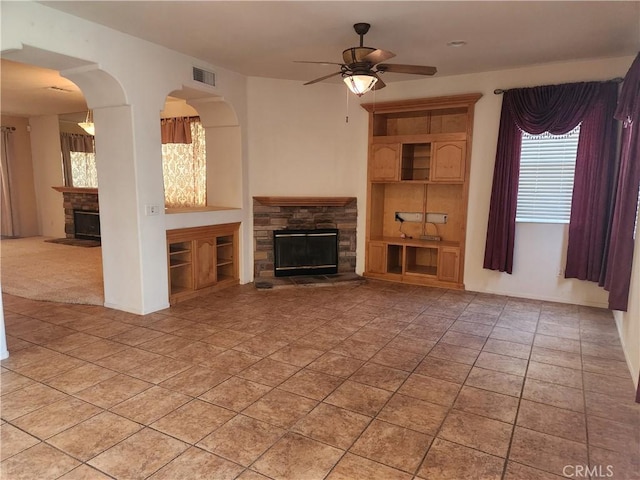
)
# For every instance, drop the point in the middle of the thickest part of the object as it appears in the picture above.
(86, 225)
(305, 252)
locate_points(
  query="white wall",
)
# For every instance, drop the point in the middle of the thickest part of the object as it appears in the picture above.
(47, 173)
(629, 322)
(300, 143)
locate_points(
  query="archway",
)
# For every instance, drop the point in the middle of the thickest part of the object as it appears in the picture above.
(224, 146)
(115, 158)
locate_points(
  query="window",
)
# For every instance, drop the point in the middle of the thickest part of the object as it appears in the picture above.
(545, 186)
(78, 160)
(184, 167)
(83, 169)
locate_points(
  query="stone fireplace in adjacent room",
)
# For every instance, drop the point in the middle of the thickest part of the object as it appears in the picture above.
(81, 212)
(303, 213)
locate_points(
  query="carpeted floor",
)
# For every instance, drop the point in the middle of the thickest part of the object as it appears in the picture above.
(34, 268)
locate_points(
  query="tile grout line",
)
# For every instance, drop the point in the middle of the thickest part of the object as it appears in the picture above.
(515, 420)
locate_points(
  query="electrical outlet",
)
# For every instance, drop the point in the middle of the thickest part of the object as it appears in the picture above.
(436, 218)
(409, 216)
(151, 210)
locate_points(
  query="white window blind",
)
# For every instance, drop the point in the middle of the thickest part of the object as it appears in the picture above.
(547, 167)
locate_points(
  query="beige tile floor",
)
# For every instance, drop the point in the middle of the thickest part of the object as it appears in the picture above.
(378, 381)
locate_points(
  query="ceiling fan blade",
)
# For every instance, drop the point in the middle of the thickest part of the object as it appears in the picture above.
(378, 56)
(321, 63)
(379, 84)
(413, 69)
(323, 78)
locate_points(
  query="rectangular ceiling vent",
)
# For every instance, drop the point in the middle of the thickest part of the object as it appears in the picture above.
(202, 76)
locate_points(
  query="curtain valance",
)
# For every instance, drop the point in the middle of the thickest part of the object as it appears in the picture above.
(177, 129)
(76, 142)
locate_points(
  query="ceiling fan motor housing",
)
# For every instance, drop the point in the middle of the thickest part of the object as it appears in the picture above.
(356, 54)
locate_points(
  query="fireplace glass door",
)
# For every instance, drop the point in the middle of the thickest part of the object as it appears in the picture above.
(305, 252)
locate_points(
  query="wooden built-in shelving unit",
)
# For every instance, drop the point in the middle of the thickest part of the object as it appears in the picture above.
(419, 154)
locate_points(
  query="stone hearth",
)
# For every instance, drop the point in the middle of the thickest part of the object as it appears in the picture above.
(278, 213)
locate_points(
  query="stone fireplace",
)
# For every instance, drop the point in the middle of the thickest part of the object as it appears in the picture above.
(80, 203)
(303, 213)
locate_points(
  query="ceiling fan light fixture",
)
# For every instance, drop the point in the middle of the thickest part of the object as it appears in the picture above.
(360, 83)
(88, 125)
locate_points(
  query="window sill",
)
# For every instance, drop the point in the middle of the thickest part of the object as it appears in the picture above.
(208, 208)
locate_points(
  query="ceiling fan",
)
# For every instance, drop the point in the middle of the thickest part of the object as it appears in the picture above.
(363, 64)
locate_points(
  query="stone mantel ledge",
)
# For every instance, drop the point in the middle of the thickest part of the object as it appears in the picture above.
(75, 190)
(305, 201)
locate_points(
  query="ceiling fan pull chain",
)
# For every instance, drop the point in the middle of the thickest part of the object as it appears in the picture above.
(347, 117)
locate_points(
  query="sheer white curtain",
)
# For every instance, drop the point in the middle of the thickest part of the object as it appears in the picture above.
(6, 214)
(184, 165)
(78, 160)
(83, 169)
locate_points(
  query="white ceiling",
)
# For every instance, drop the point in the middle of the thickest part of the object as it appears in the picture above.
(264, 38)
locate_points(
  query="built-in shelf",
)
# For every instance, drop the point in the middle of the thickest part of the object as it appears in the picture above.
(202, 259)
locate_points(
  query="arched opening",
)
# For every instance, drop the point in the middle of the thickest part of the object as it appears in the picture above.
(105, 96)
(223, 144)
(184, 156)
(47, 260)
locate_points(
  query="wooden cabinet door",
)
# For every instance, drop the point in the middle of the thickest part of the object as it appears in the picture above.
(384, 162)
(449, 264)
(205, 264)
(448, 161)
(376, 258)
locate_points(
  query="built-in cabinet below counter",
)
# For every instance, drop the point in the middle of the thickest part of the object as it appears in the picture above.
(414, 261)
(201, 260)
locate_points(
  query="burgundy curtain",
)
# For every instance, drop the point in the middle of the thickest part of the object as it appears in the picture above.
(501, 230)
(618, 273)
(176, 130)
(593, 189)
(552, 108)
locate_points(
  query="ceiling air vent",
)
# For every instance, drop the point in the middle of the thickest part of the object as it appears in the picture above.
(202, 76)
